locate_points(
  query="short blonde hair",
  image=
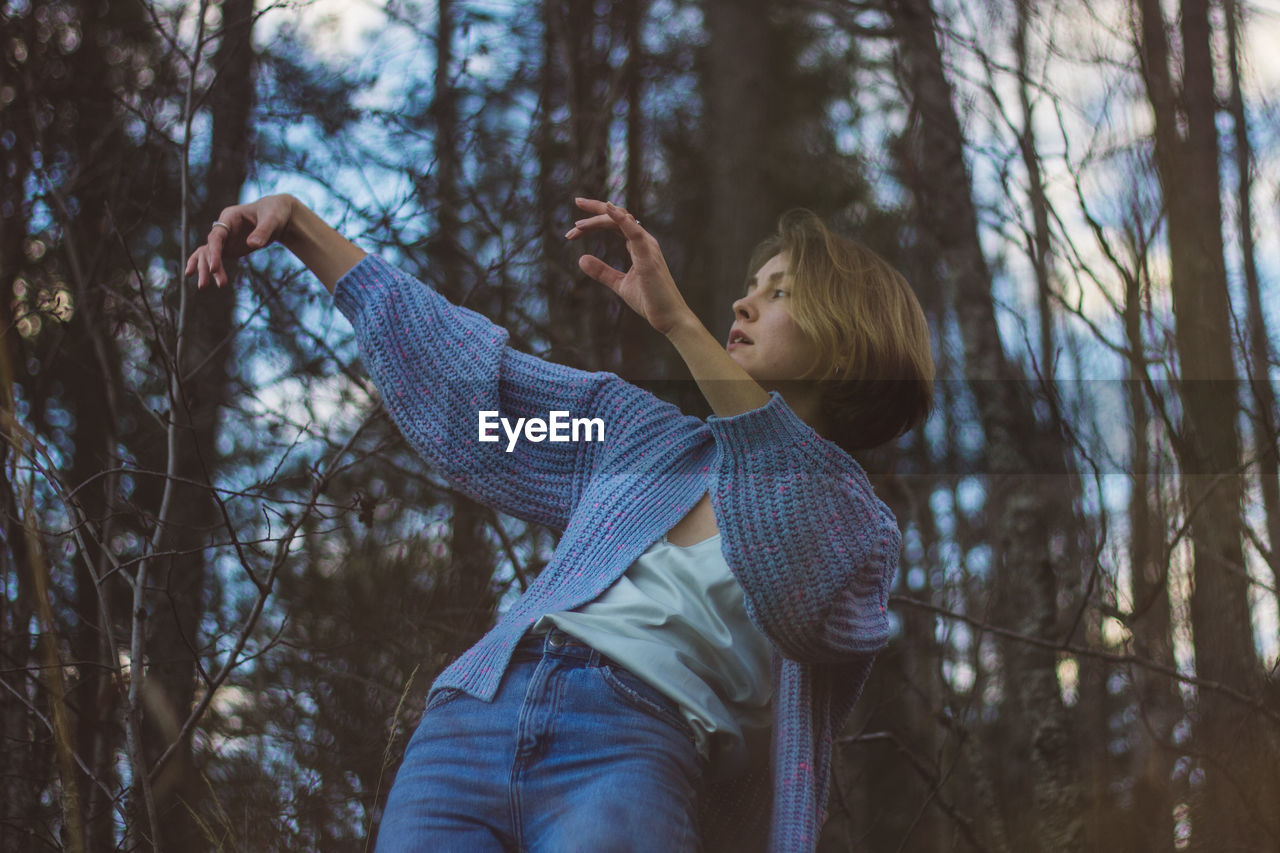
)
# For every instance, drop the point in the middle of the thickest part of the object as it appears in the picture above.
(874, 355)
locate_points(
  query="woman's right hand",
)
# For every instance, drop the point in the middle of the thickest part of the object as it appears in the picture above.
(248, 227)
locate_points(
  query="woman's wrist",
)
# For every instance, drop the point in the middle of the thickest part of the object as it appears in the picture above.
(325, 252)
(685, 327)
(291, 207)
(290, 235)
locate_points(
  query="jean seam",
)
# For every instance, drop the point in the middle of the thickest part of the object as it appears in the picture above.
(523, 758)
(643, 703)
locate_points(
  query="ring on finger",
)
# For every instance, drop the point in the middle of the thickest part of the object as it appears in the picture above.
(219, 222)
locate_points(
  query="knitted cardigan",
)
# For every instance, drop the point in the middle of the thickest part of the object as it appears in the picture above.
(813, 547)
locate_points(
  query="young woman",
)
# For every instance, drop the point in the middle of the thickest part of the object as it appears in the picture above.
(674, 677)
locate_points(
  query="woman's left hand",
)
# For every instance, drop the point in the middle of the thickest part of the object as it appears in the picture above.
(647, 287)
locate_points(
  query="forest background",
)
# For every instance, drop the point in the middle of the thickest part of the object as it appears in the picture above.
(1085, 197)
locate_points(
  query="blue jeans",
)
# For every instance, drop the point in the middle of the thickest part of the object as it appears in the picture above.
(573, 753)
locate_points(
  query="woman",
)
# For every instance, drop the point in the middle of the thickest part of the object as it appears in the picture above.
(674, 677)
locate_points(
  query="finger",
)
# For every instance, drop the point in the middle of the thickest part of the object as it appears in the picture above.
(191, 263)
(616, 214)
(217, 241)
(627, 223)
(203, 265)
(263, 233)
(591, 223)
(591, 205)
(600, 271)
(218, 234)
(216, 272)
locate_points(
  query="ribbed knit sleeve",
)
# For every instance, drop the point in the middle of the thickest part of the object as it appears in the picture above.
(438, 365)
(813, 547)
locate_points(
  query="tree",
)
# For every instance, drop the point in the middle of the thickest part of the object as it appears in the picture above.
(1024, 458)
(1238, 763)
(203, 348)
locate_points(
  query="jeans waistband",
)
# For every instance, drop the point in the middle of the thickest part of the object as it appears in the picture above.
(558, 643)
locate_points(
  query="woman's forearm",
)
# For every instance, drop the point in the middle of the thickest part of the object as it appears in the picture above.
(727, 386)
(324, 251)
(650, 291)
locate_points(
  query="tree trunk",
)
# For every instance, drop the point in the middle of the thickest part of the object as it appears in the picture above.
(89, 373)
(549, 191)
(471, 568)
(1266, 423)
(1157, 698)
(446, 244)
(24, 777)
(738, 94)
(1229, 809)
(1027, 463)
(583, 35)
(1039, 246)
(175, 611)
(637, 339)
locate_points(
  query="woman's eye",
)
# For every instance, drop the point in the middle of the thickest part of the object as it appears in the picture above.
(778, 292)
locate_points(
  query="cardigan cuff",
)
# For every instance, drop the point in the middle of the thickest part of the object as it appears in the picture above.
(369, 275)
(772, 424)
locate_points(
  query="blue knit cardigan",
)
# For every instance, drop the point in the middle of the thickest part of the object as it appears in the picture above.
(813, 547)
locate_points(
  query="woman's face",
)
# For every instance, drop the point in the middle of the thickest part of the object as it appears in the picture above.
(765, 340)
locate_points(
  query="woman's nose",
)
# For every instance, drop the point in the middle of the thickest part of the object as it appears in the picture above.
(742, 307)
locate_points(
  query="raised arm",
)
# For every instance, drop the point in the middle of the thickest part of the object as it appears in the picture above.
(437, 365)
(648, 288)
